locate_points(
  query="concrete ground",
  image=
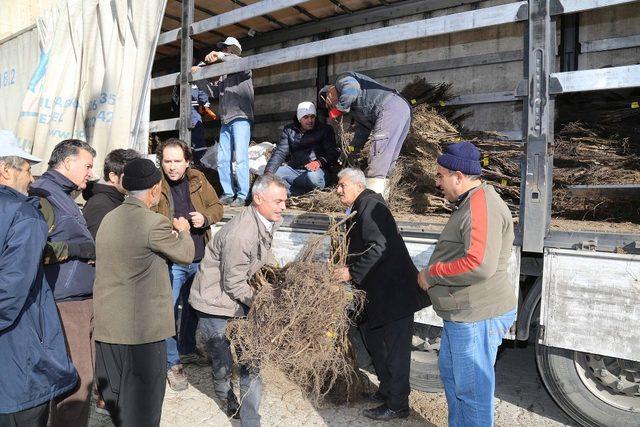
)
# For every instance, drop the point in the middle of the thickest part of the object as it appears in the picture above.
(521, 400)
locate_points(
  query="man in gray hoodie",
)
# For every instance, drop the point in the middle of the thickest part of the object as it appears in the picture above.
(235, 94)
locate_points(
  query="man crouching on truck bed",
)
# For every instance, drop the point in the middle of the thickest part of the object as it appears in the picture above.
(379, 264)
(467, 282)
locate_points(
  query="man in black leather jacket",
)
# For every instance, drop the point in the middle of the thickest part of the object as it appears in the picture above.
(310, 149)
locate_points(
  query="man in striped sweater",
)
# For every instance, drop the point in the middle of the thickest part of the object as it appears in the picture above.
(468, 285)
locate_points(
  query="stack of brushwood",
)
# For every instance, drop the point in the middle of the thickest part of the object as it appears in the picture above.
(299, 321)
(412, 185)
(594, 155)
(604, 152)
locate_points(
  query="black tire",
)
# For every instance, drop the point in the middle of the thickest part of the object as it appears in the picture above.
(558, 370)
(425, 374)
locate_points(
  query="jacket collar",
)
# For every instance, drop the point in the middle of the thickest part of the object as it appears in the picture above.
(190, 175)
(365, 194)
(465, 196)
(57, 178)
(261, 227)
(135, 202)
(100, 187)
(33, 201)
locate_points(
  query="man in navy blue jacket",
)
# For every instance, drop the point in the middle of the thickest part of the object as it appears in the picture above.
(69, 266)
(309, 148)
(36, 367)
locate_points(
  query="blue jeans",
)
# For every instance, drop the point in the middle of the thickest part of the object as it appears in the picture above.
(300, 181)
(234, 138)
(186, 320)
(212, 328)
(467, 358)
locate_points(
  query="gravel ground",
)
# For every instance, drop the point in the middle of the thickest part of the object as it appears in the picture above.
(521, 400)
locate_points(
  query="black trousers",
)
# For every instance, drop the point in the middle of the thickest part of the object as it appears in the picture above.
(32, 417)
(132, 381)
(198, 142)
(390, 348)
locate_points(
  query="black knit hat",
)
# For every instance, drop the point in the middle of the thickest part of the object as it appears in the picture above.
(140, 174)
(462, 156)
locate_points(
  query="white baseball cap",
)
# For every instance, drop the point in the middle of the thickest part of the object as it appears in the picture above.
(230, 41)
(9, 146)
(305, 108)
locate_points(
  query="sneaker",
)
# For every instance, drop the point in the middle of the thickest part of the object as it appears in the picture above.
(238, 202)
(177, 378)
(226, 200)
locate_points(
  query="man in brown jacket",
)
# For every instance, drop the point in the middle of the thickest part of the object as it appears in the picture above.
(132, 298)
(186, 193)
(467, 282)
(220, 289)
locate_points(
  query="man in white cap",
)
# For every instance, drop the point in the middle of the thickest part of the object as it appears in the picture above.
(33, 355)
(309, 148)
(235, 94)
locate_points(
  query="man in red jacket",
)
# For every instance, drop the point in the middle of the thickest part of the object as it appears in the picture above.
(468, 284)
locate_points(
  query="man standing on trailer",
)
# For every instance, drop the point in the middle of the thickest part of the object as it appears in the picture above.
(235, 94)
(467, 282)
(381, 114)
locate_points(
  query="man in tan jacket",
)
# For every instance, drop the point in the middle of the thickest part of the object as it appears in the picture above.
(132, 298)
(221, 290)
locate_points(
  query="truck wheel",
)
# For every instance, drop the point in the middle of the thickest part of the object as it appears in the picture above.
(425, 374)
(593, 390)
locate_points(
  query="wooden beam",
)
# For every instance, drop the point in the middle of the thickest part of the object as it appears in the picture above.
(480, 18)
(559, 7)
(626, 76)
(396, 10)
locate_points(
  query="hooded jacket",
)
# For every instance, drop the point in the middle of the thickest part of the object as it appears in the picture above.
(101, 199)
(235, 92)
(33, 356)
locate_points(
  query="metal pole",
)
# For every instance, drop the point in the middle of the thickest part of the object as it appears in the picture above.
(186, 61)
(535, 197)
(322, 79)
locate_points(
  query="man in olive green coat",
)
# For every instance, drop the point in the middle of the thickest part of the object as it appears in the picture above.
(133, 310)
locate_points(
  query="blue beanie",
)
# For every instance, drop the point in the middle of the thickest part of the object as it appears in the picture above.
(462, 156)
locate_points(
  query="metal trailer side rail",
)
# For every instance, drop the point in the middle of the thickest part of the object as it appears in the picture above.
(587, 297)
(541, 80)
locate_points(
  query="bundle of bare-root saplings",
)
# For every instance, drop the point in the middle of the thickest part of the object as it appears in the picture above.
(299, 321)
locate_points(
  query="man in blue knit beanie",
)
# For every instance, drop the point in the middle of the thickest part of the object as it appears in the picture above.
(468, 285)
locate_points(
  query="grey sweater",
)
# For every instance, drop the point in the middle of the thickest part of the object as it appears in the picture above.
(235, 92)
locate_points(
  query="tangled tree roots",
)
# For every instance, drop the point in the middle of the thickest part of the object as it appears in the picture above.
(300, 318)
